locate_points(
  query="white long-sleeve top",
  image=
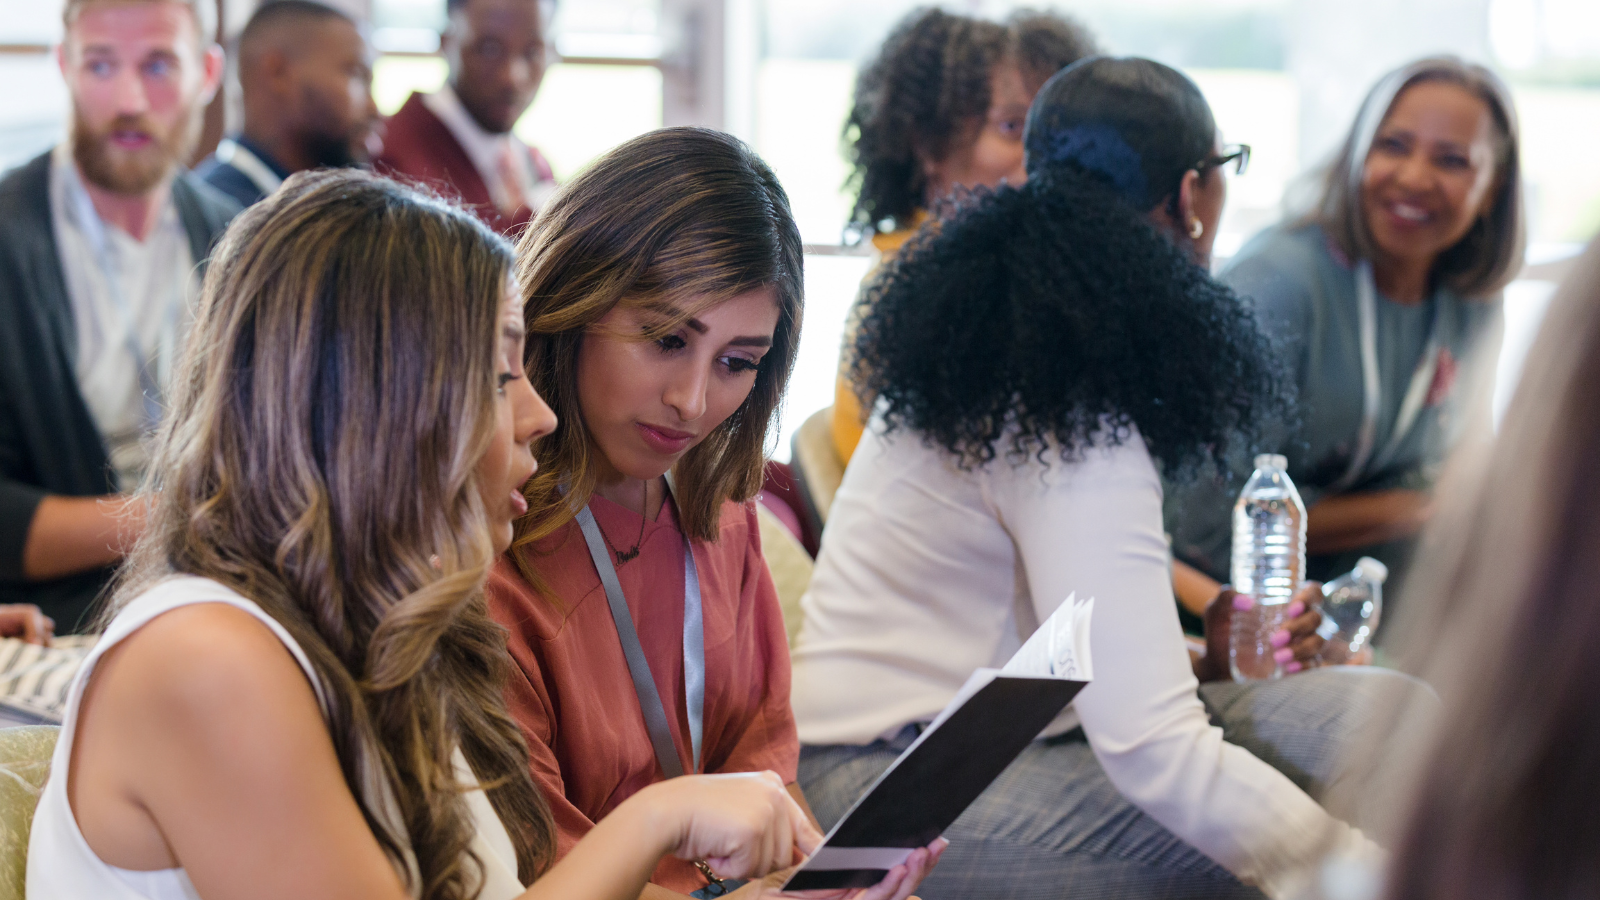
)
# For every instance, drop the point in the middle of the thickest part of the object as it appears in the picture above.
(928, 572)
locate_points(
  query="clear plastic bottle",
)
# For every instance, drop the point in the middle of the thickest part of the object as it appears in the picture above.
(1351, 607)
(1269, 563)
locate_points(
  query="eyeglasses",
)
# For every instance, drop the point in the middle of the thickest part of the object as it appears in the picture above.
(1238, 154)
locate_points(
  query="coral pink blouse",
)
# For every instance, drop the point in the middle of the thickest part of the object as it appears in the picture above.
(570, 690)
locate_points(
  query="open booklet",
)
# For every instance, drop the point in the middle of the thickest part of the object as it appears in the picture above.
(992, 719)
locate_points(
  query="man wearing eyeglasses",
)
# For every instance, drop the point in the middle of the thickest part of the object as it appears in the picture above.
(459, 137)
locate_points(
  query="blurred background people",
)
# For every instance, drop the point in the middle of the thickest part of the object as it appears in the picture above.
(941, 106)
(1038, 354)
(101, 244)
(305, 73)
(1378, 299)
(459, 137)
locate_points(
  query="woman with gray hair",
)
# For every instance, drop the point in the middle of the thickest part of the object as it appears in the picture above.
(1378, 298)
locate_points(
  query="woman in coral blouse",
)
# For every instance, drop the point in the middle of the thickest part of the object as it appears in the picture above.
(663, 313)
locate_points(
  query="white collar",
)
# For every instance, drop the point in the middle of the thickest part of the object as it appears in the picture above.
(483, 146)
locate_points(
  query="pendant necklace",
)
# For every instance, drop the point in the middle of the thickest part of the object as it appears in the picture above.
(624, 556)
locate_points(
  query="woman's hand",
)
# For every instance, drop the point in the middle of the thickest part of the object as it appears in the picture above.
(896, 885)
(742, 825)
(25, 621)
(1298, 644)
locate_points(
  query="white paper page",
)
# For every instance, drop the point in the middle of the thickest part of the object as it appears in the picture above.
(1060, 647)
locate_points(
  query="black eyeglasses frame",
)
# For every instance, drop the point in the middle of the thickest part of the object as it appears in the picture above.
(1238, 154)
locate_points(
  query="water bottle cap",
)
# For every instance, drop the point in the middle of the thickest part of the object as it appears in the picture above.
(1271, 461)
(1369, 569)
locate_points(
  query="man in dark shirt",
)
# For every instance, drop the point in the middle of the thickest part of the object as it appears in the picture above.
(101, 240)
(305, 71)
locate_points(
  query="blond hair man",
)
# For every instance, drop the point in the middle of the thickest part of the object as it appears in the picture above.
(101, 243)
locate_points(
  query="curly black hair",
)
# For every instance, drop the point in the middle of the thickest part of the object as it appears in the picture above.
(925, 88)
(1054, 315)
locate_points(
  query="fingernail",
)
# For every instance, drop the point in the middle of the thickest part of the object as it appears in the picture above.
(1296, 608)
(1292, 667)
(1280, 638)
(1283, 656)
(1243, 602)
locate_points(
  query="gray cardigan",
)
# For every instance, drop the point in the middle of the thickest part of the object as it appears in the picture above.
(1304, 295)
(48, 441)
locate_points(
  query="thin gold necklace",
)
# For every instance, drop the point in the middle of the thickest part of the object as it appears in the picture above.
(632, 552)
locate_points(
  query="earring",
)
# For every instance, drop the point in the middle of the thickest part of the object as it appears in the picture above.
(1196, 228)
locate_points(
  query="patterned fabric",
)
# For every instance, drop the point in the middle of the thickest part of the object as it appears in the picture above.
(1053, 826)
(34, 680)
(24, 763)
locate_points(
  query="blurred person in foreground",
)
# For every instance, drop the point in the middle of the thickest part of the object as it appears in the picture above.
(1040, 353)
(1380, 298)
(940, 107)
(459, 138)
(102, 240)
(305, 71)
(1500, 801)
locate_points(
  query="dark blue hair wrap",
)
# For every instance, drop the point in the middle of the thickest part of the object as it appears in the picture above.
(1100, 149)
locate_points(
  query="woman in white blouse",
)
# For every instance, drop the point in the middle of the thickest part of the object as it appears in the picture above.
(1036, 357)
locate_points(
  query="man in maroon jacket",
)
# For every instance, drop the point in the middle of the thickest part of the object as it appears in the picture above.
(458, 139)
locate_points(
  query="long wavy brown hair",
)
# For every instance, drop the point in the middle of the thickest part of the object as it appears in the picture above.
(678, 219)
(333, 401)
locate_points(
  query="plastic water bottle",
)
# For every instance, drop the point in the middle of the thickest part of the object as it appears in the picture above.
(1351, 607)
(1269, 562)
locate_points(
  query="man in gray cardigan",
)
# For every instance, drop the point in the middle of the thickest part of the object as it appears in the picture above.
(101, 243)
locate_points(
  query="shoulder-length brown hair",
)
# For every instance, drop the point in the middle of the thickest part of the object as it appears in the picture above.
(1488, 257)
(346, 313)
(1506, 626)
(682, 218)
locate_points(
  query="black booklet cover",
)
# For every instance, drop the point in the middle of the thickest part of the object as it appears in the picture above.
(994, 717)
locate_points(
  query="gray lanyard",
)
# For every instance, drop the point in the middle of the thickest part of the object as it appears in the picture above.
(1372, 386)
(150, 384)
(250, 165)
(694, 651)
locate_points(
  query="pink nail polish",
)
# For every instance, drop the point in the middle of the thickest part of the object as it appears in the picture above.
(1283, 656)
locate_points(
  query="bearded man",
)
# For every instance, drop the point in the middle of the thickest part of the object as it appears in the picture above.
(101, 244)
(305, 72)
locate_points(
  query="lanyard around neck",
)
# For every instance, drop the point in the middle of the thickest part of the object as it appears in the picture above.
(99, 240)
(1372, 386)
(644, 684)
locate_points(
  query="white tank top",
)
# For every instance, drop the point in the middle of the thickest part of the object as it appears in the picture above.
(61, 865)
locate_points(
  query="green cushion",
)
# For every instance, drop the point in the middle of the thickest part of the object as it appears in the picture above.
(24, 764)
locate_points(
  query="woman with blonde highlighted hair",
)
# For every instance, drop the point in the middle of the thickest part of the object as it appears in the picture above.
(299, 689)
(663, 292)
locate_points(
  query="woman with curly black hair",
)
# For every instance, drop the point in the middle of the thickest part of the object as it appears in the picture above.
(1037, 353)
(941, 106)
